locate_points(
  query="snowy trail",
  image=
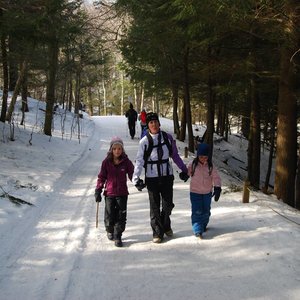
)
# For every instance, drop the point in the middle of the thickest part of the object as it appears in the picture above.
(249, 251)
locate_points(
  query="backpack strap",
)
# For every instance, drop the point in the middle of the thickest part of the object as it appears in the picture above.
(148, 150)
(210, 167)
(167, 142)
(195, 163)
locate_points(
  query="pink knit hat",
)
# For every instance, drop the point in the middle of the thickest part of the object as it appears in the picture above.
(116, 140)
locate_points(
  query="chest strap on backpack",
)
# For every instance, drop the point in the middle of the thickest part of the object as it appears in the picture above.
(160, 161)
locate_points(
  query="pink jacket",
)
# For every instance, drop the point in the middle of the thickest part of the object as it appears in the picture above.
(201, 182)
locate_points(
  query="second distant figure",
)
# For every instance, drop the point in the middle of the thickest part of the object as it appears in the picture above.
(143, 121)
(131, 115)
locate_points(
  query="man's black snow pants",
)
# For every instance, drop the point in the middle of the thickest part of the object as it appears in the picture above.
(115, 215)
(131, 126)
(160, 191)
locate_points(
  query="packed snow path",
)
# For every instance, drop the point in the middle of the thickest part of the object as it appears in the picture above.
(55, 251)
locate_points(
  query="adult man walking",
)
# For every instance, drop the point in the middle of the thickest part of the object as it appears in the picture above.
(154, 153)
(131, 115)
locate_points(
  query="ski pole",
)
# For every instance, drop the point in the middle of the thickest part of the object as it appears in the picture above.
(97, 212)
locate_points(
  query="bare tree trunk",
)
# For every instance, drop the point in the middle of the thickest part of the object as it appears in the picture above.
(245, 127)
(286, 154)
(271, 153)
(140, 105)
(16, 92)
(5, 77)
(187, 102)
(175, 109)
(297, 201)
(24, 94)
(122, 93)
(209, 137)
(50, 95)
(183, 123)
(90, 101)
(13, 63)
(70, 93)
(77, 91)
(254, 138)
(222, 115)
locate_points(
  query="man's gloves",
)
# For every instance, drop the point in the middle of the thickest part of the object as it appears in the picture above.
(98, 195)
(140, 185)
(217, 193)
(184, 176)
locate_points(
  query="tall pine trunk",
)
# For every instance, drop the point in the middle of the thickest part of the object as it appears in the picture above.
(186, 88)
(24, 93)
(50, 94)
(297, 201)
(5, 77)
(16, 91)
(286, 144)
(210, 117)
(286, 156)
(175, 109)
(271, 153)
(183, 123)
(254, 137)
(13, 63)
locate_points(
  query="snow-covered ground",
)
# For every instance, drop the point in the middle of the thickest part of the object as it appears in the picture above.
(52, 249)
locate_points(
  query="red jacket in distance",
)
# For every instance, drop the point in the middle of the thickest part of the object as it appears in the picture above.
(143, 117)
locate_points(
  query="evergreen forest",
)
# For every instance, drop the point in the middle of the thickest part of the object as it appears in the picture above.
(219, 63)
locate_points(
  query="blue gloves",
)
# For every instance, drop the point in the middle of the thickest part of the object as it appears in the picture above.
(98, 195)
(217, 193)
(140, 185)
(184, 176)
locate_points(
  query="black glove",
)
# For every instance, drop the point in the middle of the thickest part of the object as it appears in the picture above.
(184, 176)
(140, 185)
(98, 195)
(217, 193)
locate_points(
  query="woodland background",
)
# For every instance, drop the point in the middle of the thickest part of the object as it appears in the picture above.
(213, 62)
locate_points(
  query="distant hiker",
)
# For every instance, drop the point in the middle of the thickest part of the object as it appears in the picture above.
(112, 181)
(143, 122)
(154, 153)
(131, 115)
(204, 179)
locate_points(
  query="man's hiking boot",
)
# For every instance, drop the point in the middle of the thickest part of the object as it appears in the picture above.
(169, 233)
(157, 240)
(110, 236)
(118, 243)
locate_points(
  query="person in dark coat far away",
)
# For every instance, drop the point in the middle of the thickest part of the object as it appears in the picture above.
(131, 115)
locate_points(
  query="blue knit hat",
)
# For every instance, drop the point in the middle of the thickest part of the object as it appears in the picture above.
(203, 150)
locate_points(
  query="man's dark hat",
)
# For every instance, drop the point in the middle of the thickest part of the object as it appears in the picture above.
(151, 117)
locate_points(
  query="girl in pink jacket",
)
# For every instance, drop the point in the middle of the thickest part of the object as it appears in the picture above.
(204, 178)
